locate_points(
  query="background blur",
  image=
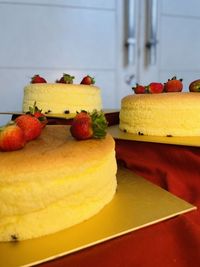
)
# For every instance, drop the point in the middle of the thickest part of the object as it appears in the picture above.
(119, 42)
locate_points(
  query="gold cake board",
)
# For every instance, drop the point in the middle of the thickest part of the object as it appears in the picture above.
(173, 140)
(137, 203)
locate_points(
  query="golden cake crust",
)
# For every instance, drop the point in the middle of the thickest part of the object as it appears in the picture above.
(164, 114)
(169, 98)
(46, 154)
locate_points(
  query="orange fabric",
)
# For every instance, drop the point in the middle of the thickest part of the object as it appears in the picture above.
(171, 243)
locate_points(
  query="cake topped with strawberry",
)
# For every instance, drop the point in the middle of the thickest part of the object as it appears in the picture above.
(162, 109)
(53, 176)
(63, 95)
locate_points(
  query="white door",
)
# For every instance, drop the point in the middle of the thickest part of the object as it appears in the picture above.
(167, 40)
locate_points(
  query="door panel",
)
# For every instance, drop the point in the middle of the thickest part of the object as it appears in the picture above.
(177, 40)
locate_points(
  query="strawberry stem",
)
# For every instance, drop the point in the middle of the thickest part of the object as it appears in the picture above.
(99, 124)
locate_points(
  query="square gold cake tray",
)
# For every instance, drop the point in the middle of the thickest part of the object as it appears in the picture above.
(174, 140)
(137, 204)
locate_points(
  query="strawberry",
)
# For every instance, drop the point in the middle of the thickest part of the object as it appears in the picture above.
(37, 79)
(88, 80)
(155, 88)
(36, 112)
(30, 125)
(139, 89)
(91, 126)
(82, 114)
(194, 86)
(173, 85)
(11, 137)
(66, 78)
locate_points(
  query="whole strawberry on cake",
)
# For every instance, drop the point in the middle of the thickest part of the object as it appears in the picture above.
(63, 95)
(55, 179)
(162, 109)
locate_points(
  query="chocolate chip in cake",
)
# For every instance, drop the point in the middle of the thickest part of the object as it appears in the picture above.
(66, 112)
(124, 130)
(14, 238)
(140, 133)
(169, 135)
(48, 111)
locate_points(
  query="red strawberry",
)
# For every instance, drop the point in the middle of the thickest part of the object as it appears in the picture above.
(36, 112)
(11, 137)
(155, 88)
(81, 129)
(88, 80)
(139, 89)
(42, 118)
(37, 79)
(173, 85)
(194, 86)
(92, 126)
(66, 78)
(30, 125)
(82, 114)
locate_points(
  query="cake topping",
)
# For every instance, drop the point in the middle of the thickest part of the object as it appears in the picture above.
(155, 88)
(37, 79)
(195, 86)
(173, 85)
(11, 137)
(89, 125)
(66, 78)
(139, 89)
(30, 125)
(88, 80)
(36, 112)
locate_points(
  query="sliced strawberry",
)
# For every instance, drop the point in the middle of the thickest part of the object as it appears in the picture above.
(92, 126)
(88, 80)
(30, 125)
(155, 88)
(37, 79)
(139, 89)
(66, 78)
(11, 137)
(173, 85)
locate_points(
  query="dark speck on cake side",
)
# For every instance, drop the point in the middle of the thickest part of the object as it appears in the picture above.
(14, 238)
(48, 111)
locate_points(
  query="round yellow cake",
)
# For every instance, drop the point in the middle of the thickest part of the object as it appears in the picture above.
(53, 183)
(164, 114)
(59, 98)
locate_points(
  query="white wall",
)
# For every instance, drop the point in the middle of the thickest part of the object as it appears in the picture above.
(54, 37)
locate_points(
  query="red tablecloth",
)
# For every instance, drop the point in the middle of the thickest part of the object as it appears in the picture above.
(171, 243)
